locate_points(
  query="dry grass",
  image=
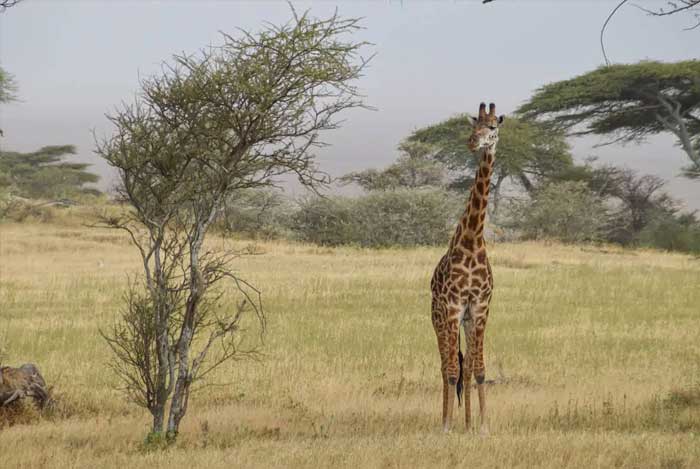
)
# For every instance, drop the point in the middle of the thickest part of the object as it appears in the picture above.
(595, 353)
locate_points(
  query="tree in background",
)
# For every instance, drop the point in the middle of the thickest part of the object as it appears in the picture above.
(639, 201)
(627, 103)
(44, 174)
(633, 209)
(567, 211)
(413, 169)
(527, 153)
(229, 119)
(8, 89)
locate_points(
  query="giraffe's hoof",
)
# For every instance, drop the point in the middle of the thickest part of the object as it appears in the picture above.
(484, 431)
(445, 429)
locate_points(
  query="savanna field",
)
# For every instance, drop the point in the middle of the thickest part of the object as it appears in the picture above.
(593, 353)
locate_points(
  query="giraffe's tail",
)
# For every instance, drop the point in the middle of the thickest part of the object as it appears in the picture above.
(460, 380)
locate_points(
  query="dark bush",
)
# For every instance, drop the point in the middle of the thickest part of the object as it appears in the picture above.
(672, 232)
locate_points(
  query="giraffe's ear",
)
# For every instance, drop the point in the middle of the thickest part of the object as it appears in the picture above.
(501, 118)
(473, 120)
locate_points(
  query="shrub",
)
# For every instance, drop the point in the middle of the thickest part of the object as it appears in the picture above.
(673, 233)
(566, 211)
(402, 217)
(325, 220)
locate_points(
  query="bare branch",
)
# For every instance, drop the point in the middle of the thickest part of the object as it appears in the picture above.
(605, 25)
(5, 4)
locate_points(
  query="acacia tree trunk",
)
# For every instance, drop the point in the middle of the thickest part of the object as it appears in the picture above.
(197, 288)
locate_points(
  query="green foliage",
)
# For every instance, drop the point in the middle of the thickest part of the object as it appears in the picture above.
(326, 221)
(566, 211)
(627, 103)
(673, 233)
(401, 217)
(44, 175)
(8, 87)
(633, 210)
(527, 152)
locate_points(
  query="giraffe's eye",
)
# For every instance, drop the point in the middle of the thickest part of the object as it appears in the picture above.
(492, 127)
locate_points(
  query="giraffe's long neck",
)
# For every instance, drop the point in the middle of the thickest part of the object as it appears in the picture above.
(471, 225)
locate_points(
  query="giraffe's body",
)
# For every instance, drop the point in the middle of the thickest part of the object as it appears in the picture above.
(462, 283)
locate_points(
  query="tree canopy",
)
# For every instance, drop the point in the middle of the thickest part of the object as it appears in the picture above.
(44, 174)
(413, 169)
(8, 88)
(527, 152)
(627, 103)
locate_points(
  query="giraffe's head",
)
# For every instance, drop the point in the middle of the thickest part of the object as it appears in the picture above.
(485, 132)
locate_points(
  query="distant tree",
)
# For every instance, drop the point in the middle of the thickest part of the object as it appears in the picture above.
(527, 152)
(640, 200)
(566, 211)
(627, 103)
(672, 232)
(231, 118)
(413, 169)
(44, 174)
(8, 89)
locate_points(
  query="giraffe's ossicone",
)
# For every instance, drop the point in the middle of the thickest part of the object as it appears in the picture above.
(462, 283)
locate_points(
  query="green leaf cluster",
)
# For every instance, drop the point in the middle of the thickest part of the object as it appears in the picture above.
(626, 102)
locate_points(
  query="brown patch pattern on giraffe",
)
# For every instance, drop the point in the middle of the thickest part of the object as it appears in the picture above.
(462, 282)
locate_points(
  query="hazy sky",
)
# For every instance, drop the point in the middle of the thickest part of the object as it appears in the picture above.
(76, 60)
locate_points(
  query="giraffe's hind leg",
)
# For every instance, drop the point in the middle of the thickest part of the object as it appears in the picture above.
(447, 332)
(451, 363)
(477, 343)
(467, 376)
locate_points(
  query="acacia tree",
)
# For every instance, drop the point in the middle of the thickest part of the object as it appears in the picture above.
(43, 174)
(627, 103)
(527, 152)
(413, 169)
(227, 119)
(8, 89)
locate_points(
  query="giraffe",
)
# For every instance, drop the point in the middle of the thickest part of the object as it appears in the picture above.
(462, 284)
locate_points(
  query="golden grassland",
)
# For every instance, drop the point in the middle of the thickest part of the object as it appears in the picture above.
(595, 353)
